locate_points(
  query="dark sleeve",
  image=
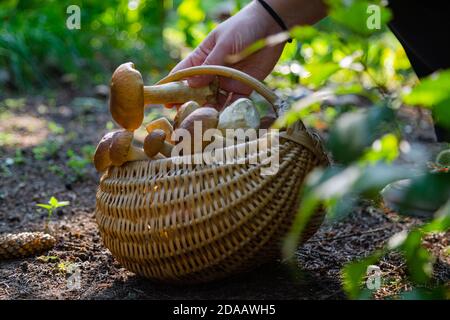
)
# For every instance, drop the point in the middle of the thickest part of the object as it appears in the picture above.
(423, 28)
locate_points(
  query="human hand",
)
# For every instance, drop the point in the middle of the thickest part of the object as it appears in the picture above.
(231, 37)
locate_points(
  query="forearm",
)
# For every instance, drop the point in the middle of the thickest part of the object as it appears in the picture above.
(298, 12)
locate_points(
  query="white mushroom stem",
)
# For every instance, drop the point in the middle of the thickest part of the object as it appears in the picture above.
(135, 154)
(179, 92)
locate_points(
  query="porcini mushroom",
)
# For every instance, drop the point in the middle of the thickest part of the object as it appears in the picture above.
(155, 143)
(206, 117)
(185, 110)
(241, 114)
(122, 150)
(162, 124)
(101, 156)
(129, 95)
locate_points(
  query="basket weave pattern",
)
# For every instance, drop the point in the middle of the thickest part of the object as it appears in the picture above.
(178, 222)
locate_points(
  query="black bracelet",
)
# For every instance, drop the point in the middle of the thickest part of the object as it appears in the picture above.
(275, 16)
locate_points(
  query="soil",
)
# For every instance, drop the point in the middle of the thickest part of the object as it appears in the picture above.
(35, 176)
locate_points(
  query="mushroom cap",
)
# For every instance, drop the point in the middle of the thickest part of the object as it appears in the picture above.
(209, 118)
(154, 142)
(101, 156)
(126, 102)
(241, 114)
(162, 124)
(120, 147)
(185, 110)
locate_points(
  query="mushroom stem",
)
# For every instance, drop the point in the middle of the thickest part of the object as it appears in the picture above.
(225, 72)
(166, 149)
(122, 149)
(155, 143)
(136, 154)
(179, 92)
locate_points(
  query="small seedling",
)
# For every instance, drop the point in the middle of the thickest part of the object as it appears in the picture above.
(51, 206)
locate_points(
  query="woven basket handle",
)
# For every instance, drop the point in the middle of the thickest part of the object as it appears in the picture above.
(234, 74)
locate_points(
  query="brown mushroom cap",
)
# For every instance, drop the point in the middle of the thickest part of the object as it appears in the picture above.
(101, 156)
(209, 118)
(154, 142)
(127, 97)
(185, 110)
(120, 147)
(162, 124)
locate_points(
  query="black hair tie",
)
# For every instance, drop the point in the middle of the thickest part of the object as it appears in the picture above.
(275, 16)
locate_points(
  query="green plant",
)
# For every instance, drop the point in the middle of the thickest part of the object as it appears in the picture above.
(51, 206)
(55, 128)
(340, 57)
(79, 163)
(13, 104)
(56, 170)
(48, 149)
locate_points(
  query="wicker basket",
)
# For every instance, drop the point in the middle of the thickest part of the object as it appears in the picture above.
(177, 222)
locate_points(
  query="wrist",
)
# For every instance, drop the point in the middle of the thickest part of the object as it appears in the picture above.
(298, 12)
(264, 20)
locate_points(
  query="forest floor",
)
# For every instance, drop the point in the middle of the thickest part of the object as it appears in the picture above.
(53, 133)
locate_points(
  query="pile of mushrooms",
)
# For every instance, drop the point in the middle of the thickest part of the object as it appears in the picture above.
(128, 99)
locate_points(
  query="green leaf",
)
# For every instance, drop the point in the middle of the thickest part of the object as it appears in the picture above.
(302, 108)
(375, 177)
(62, 204)
(307, 208)
(433, 92)
(353, 274)
(45, 206)
(355, 15)
(418, 259)
(319, 73)
(53, 201)
(430, 91)
(441, 222)
(354, 132)
(304, 33)
(311, 200)
(384, 149)
(428, 192)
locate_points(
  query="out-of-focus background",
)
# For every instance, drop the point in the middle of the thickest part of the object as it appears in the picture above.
(38, 50)
(54, 89)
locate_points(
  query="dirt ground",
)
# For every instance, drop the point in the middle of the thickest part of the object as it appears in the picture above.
(26, 181)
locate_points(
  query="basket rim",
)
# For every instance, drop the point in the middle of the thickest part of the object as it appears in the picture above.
(301, 136)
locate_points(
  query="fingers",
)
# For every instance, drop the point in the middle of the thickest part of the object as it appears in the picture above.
(198, 57)
(195, 58)
(215, 57)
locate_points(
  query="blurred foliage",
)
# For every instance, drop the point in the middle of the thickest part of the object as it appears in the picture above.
(340, 57)
(38, 50)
